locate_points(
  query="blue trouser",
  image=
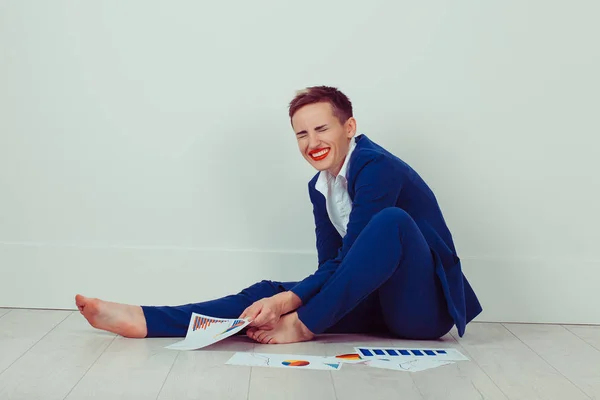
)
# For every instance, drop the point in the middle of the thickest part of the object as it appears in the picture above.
(385, 284)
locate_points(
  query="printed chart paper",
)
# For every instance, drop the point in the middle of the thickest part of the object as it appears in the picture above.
(405, 354)
(350, 358)
(417, 365)
(204, 331)
(289, 361)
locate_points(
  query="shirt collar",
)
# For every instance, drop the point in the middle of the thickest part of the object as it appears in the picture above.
(325, 176)
(344, 168)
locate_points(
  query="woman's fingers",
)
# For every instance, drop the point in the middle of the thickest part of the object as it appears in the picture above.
(263, 318)
(251, 312)
(244, 314)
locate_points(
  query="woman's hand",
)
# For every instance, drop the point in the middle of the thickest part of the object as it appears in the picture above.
(265, 313)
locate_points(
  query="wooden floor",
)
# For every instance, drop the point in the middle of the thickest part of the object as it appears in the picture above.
(56, 355)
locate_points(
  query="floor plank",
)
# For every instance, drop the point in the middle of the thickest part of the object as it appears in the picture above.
(461, 380)
(362, 382)
(52, 367)
(570, 355)
(589, 333)
(21, 329)
(275, 383)
(128, 369)
(204, 375)
(516, 369)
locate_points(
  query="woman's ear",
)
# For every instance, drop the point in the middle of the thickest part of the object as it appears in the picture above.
(350, 126)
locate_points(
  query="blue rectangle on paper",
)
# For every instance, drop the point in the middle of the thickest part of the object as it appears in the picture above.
(430, 352)
(405, 352)
(417, 352)
(379, 352)
(366, 352)
(392, 352)
(441, 351)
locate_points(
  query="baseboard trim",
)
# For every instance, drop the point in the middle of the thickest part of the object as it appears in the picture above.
(47, 276)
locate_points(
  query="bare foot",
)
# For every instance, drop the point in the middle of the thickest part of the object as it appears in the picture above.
(289, 330)
(122, 319)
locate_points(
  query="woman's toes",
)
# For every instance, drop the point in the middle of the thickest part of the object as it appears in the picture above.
(270, 340)
(265, 339)
(260, 336)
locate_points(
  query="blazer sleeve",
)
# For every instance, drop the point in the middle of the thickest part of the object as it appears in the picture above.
(377, 186)
(328, 239)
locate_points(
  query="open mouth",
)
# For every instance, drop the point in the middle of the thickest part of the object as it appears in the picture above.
(319, 154)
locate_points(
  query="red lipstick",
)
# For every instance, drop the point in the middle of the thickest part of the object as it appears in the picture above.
(319, 154)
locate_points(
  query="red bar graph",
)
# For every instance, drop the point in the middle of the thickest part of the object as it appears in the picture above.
(204, 323)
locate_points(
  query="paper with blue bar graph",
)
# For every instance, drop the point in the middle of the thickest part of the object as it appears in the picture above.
(407, 365)
(411, 353)
(408, 359)
(204, 330)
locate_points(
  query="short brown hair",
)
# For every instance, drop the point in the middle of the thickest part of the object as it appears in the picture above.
(340, 103)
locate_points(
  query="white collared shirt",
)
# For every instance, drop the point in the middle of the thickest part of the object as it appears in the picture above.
(335, 190)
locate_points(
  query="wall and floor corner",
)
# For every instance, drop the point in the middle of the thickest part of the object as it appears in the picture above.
(146, 155)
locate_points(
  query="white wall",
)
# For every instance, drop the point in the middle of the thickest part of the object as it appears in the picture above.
(146, 154)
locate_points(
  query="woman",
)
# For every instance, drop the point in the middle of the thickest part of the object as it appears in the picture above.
(387, 262)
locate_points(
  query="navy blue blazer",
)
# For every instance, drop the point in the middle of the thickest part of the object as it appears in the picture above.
(377, 180)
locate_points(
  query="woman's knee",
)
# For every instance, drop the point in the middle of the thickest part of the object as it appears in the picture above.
(393, 217)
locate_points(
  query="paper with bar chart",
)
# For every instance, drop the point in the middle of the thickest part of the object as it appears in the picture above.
(410, 353)
(204, 331)
(409, 359)
(421, 364)
(289, 361)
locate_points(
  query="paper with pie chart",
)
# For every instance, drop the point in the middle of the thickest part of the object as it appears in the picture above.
(204, 331)
(290, 361)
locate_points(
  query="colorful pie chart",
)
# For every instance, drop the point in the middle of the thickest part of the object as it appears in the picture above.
(295, 363)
